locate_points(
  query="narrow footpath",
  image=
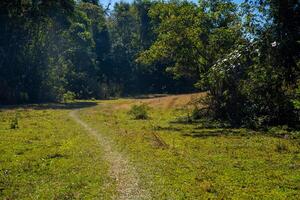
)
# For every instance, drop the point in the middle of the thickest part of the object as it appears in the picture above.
(121, 170)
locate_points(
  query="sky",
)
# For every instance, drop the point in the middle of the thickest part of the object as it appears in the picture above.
(105, 2)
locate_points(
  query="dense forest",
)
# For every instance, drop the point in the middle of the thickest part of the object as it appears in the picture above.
(246, 56)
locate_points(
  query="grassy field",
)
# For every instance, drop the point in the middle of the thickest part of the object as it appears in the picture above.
(51, 157)
(187, 161)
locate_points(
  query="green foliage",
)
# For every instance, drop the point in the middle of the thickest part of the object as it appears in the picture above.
(255, 84)
(246, 57)
(14, 124)
(190, 38)
(296, 100)
(196, 113)
(139, 112)
(69, 97)
(280, 131)
(47, 48)
(281, 147)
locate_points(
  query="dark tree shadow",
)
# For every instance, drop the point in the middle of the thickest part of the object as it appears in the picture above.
(169, 128)
(216, 133)
(54, 106)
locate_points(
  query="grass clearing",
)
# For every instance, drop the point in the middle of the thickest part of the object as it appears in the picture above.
(49, 156)
(188, 161)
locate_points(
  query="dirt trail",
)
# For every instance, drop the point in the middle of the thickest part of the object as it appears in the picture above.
(125, 174)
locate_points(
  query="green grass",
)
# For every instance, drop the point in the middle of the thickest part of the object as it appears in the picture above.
(50, 157)
(188, 161)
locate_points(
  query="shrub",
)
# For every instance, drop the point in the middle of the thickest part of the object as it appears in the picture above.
(139, 112)
(296, 101)
(24, 97)
(279, 131)
(281, 147)
(69, 97)
(247, 90)
(14, 124)
(196, 113)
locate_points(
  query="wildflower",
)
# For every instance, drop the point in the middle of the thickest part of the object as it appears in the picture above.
(274, 44)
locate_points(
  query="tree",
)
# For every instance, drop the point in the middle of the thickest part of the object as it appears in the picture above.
(256, 85)
(190, 38)
(24, 47)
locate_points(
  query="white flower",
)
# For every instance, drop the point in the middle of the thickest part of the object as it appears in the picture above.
(274, 44)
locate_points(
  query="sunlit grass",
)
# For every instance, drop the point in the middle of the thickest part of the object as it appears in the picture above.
(50, 157)
(188, 161)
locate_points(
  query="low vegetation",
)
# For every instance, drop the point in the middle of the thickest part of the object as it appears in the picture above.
(49, 157)
(244, 54)
(14, 124)
(197, 161)
(139, 111)
(69, 97)
(236, 137)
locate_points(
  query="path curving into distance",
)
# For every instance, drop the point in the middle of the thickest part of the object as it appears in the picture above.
(121, 170)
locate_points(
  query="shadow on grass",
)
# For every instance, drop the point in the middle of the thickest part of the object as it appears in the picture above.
(203, 132)
(168, 128)
(54, 106)
(218, 132)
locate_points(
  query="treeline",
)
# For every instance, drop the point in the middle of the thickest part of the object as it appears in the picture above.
(52, 48)
(246, 56)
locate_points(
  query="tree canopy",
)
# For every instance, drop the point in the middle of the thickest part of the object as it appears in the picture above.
(245, 56)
